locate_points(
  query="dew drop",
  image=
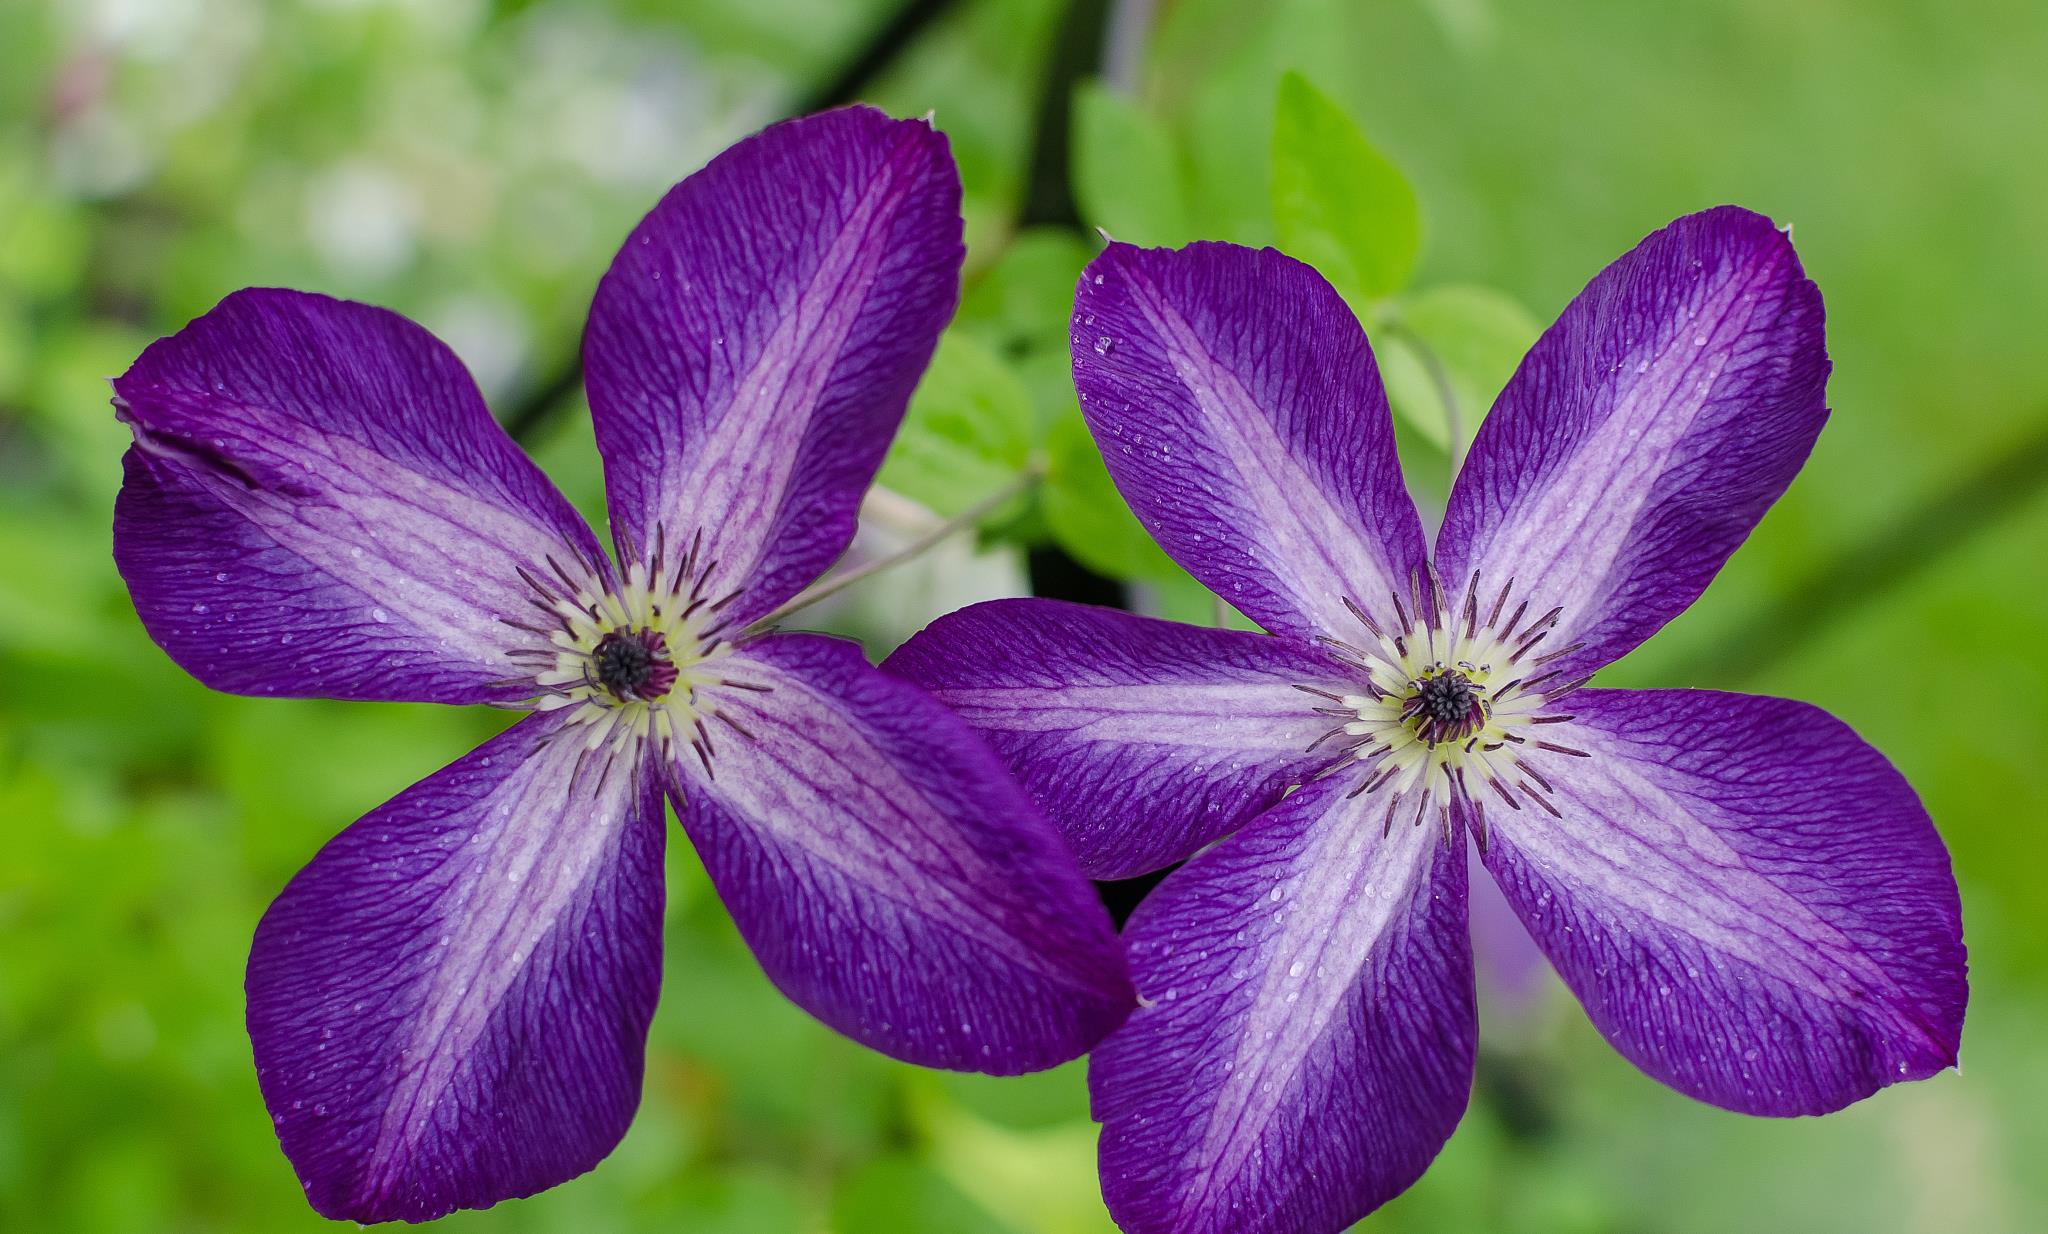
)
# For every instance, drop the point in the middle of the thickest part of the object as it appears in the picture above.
(379, 616)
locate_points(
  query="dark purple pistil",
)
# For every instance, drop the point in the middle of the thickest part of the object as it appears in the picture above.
(633, 665)
(1445, 706)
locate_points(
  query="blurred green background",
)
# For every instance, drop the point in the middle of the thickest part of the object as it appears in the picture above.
(474, 163)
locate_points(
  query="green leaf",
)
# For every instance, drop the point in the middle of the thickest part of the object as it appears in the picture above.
(1040, 1099)
(1021, 306)
(1412, 388)
(1126, 174)
(1184, 598)
(1464, 341)
(1023, 300)
(1005, 1169)
(1086, 514)
(896, 1195)
(1338, 203)
(968, 432)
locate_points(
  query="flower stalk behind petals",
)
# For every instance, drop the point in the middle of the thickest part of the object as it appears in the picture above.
(1033, 473)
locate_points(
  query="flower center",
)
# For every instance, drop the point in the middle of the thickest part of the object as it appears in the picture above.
(1444, 705)
(634, 666)
(635, 661)
(1449, 706)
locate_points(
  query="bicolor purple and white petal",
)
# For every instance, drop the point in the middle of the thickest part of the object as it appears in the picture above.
(797, 289)
(1221, 437)
(449, 1005)
(1748, 900)
(891, 875)
(318, 504)
(1306, 1040)
(1146, 740)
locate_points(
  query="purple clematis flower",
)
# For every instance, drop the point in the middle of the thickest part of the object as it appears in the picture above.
(449, 1006)
(1748, 900)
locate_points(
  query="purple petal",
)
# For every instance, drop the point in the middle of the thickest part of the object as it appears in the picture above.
(1749, 901)
(1239, 409)
(892, 878)
(1645, 434)
(1144, 740)
(754, 344)
(449, 1006)
(1304, 1040)
(318, 503)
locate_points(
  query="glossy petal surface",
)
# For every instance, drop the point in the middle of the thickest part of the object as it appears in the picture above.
(1239, 409)
(1306, 1038)
(1645, 434)
(890, 875)
(755, 342)
(318, 503)
(1144, 740)
(1749, 901)
(449, 1005)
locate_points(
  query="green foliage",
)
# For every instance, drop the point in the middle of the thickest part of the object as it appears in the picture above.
(968, 433)
(1046, 1099)
(1445, 353)
(1127, 174)
(896, 1195)
(1086, 514)
(1020, 307)
(1338, 203)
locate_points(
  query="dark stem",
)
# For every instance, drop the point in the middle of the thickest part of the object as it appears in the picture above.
(527, 417)
(532, 412)
(1074, 52)
(1896, 554)
(1057, 575)
(888, 41)
(1122, 896)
